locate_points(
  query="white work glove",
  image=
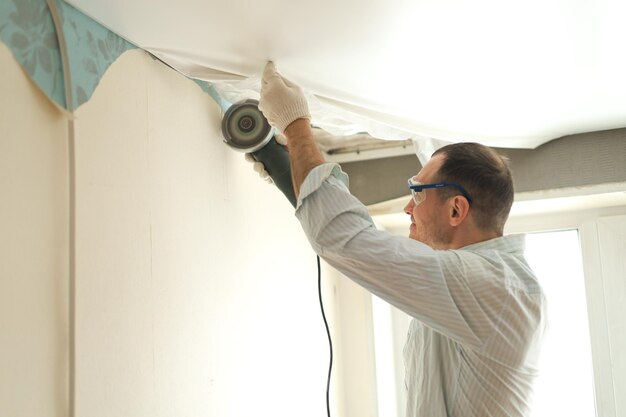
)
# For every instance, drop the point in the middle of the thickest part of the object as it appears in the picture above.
(282, 101)
(258, 167)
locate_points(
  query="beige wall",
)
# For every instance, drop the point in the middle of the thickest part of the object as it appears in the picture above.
(196, 290)
(33, 248)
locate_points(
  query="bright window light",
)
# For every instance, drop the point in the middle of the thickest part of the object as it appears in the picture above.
(565, 384)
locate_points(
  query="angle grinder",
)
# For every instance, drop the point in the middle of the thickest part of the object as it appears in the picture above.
(245, 129)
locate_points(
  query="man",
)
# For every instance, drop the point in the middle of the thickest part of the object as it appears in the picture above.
(478, 310)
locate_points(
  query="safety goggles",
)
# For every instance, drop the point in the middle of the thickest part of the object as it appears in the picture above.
(417, 190)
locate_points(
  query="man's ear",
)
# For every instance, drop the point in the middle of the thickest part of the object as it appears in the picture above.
(458, 210)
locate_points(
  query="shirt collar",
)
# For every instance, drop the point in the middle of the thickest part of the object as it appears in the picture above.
(509, 243)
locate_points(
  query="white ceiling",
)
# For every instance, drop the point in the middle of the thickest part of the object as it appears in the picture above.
(505, 73)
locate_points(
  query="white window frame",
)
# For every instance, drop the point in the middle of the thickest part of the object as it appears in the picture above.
(586, 210)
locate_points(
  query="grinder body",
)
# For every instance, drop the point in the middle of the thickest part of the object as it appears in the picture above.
(245, 129)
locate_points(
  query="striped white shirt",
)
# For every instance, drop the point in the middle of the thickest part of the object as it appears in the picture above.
(479, 312)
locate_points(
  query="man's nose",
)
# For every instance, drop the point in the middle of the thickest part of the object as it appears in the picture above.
(408, 209)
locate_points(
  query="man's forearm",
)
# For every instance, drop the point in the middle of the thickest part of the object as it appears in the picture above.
(303, 151)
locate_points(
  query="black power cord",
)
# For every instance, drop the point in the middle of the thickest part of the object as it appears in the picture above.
(330, 341)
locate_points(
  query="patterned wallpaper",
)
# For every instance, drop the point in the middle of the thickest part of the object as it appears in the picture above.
(28, 28)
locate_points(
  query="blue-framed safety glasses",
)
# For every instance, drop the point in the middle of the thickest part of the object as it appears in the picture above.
(419, 196)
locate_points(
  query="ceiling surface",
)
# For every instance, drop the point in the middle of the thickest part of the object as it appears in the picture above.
(507, 74)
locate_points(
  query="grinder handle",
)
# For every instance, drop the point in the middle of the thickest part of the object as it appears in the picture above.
(275, 158)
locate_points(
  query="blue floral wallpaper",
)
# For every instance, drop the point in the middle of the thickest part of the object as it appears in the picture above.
(27, 28)
(91, 50)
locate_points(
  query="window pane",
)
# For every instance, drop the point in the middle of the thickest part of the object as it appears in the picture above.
(565, 383)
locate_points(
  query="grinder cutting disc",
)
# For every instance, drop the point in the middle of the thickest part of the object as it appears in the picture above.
(245, 128)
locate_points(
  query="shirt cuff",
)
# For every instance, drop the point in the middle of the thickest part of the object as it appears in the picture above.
(317, 176)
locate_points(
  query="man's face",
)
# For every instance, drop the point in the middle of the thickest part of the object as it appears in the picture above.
(428, 219)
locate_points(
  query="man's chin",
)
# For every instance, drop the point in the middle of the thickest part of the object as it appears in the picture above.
(413, 235)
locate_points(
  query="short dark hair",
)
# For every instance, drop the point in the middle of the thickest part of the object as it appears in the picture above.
(485, 175)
